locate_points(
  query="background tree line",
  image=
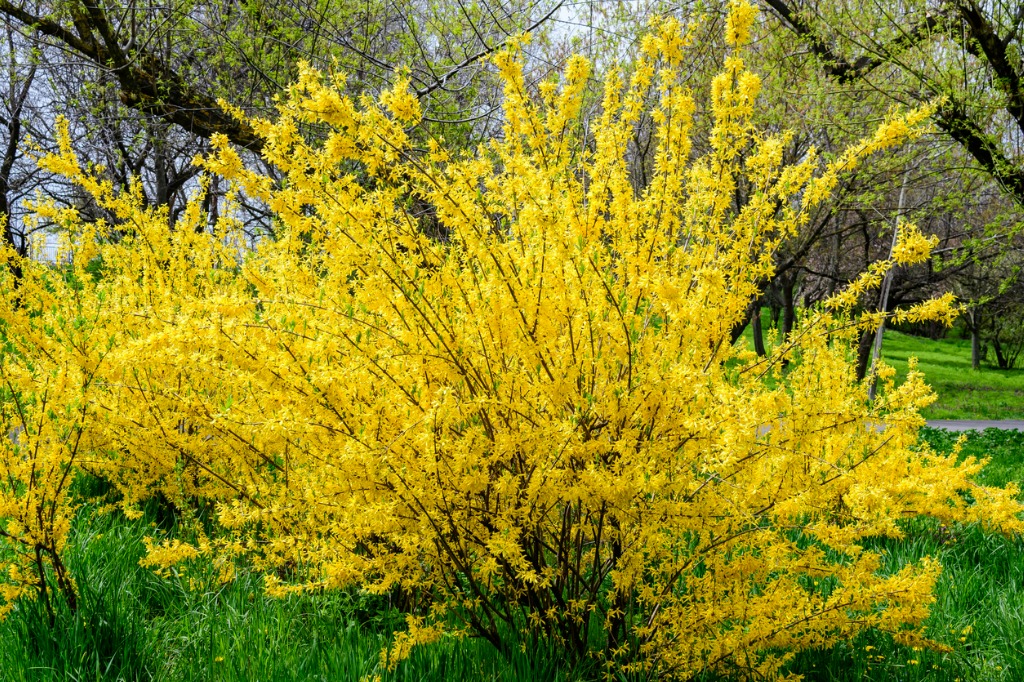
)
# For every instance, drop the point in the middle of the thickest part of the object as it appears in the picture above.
(142, 84)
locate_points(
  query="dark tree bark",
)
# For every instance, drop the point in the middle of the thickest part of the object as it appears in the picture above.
(966, 23)
(146, 82)
(864, 345)
(10, 155)
(787, 297)
(741, 326)
(1001, 358)
(974, 325)
(755, 322)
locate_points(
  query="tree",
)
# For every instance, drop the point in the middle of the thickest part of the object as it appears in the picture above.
(538, 425)
(994, 314)
(149, 85)
(963, 53)
(147, 82)
(175, 61)
(21, 71)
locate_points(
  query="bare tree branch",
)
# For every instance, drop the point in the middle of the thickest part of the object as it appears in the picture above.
(146, 82)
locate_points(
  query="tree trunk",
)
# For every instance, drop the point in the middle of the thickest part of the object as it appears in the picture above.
(975, 340)
(739, 327)
(755, 321)
(10, 154)
(788, 307)
(1001, 358)
(774, 310)
(867, 341)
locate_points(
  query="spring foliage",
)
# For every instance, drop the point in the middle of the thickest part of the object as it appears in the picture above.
(535, 423)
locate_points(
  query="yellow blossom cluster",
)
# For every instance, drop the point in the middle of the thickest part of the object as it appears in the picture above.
(740, 20)
(537, 423)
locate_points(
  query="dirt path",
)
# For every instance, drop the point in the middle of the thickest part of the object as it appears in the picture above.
(977, 424)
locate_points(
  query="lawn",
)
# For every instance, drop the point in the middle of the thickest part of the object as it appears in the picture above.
(979, 608)
(136, 626)
(963, 393)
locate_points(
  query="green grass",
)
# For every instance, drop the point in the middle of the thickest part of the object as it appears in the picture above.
(979, 608)
(133, 625)
(963, 393)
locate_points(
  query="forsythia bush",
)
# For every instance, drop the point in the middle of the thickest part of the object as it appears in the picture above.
(537, 424)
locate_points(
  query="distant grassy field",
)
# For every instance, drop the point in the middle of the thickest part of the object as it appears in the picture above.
(964, 393)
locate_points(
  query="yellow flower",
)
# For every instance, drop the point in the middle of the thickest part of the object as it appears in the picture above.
(402, 103)
(739, 21)
(498, 377)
